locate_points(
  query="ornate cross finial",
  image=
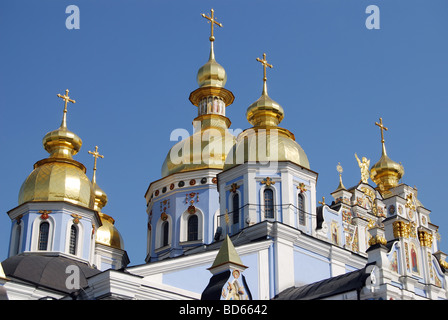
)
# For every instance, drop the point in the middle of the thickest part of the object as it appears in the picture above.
(322, 202)
(382, 128)
(265, 64)
(96, 155)
(212, 21)
(67, 99)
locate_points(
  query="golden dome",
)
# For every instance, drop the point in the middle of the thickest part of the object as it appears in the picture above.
(386, 173)
(211, 74)
(207, 148)
(264, 112)
(59, 177)
(108, 234)
(265, 141)
(251, 140)
(100, 197)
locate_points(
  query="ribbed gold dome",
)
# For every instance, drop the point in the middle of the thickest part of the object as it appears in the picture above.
(264, 112)
(59, 177)
(108, 234)
(250, 141)
(207, 148)
(386, 173)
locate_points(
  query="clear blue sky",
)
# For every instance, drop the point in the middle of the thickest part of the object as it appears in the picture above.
(132, 65)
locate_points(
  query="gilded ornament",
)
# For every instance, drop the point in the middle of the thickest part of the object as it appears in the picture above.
(164, 216)
(44, 214)
(234, 187)
(66, 99)
(443, 263)
(301, 187)
(76, 218)
(425, 238)
(364, 166)
(212, 22)
(322, 202)
(96, 155)
(410, 202)
(340, 170)
(385, 173)
(267, 181)
(191, 209)
(401, 229)
(377, 240)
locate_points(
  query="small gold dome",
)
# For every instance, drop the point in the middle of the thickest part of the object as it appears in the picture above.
(100, 197)
(264, 112)
(265, 141)
(212, 74)
(59, 177)
(58, 180)
(62, 143)
(386, 173)
(108, 234)
(251, 140)
(199, 152)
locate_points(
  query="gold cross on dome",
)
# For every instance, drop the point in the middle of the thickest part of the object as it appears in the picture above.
(66, 99)
(212, 21)
(322, 202)
(382, 128)
(265, 64)
(96, 155)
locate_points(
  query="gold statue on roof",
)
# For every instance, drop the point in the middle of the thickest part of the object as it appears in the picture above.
(364, 165)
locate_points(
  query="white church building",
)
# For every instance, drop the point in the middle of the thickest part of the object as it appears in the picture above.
(232, 217)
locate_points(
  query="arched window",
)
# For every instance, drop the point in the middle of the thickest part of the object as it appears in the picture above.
(73, 239)
(193, 224)
(236, 208)
(301, 209)
(44, 229)
(268, 203)
(165, 233)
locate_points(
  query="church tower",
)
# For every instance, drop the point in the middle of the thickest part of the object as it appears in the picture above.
(267, 175)
(183, 206)
(56, 215)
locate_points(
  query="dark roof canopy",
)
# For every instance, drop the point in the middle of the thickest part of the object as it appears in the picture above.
(347, 282)
(46, 271)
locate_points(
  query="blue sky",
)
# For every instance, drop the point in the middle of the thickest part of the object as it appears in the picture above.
(132, 65)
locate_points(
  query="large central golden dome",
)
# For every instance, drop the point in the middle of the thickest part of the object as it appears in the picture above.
(208, 146)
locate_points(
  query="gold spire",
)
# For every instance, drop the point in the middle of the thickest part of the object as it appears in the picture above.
(386, 173)
(227, 255)
(62, 143)
(382, 128)
(340, 170)
(265, 64)
(212, 74)
(264, 112)
(67, 99)
(96, 155)
(100, 196)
